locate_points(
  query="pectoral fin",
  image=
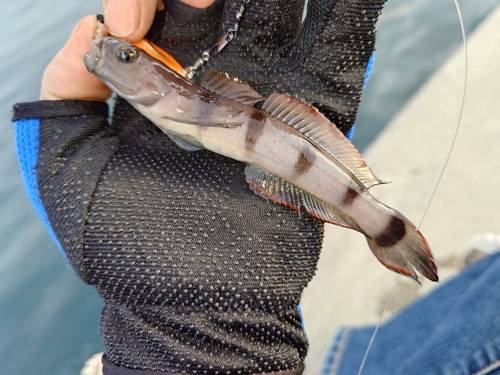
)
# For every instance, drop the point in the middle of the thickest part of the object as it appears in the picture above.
(184, 143)
(185, 119)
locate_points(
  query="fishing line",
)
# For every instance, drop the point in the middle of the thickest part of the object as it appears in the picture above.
(396, 283)
(457, 128)
(438, 182)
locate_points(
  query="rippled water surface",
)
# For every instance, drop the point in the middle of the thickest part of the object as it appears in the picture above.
(49, 320)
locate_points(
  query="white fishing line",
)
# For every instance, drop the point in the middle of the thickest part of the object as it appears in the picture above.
(438, 182)
(396, 283)
(457, 128)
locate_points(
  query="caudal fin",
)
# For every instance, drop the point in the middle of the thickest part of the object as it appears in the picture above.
(403, 249)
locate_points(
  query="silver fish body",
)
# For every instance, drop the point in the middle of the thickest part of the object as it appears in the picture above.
(295, 156)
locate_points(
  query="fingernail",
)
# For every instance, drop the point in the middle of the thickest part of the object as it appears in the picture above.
(122, 17)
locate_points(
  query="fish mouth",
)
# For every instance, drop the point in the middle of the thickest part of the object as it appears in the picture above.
(91, 59)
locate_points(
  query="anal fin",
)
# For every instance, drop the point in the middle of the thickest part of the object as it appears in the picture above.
(281, 191)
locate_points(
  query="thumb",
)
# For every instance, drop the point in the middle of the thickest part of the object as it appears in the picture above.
(66, 77)
(130, 19)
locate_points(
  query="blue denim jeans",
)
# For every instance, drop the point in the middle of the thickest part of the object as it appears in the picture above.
(455, 330)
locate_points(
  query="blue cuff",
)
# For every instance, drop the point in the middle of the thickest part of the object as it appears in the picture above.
(369, 68)
(27, 146)
(368, 72)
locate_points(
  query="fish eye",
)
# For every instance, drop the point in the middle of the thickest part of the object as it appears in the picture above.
(127, 53)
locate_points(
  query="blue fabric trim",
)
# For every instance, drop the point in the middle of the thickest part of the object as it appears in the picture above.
(368, 73)
(27, 145)
(350, 133)
(369, 68)
(302, 321)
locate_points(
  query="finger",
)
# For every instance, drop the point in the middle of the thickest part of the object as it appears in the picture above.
(130, 19)
(201, 4)
(66, 77)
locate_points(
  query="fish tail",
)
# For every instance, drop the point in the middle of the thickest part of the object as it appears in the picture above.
(403, 249)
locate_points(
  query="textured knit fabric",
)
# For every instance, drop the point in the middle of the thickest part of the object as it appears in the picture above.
(110, 369)
(214, 269)
(69, 164)
(198, 274)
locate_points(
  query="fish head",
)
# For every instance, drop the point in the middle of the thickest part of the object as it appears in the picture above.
(129, 71)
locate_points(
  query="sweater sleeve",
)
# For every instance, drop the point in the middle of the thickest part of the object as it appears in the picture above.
(63, 148)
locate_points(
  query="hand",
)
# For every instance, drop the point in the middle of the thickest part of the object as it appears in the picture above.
(198, 274)
(67, 78)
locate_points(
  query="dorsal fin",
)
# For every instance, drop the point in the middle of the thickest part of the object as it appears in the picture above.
(281, 191)
(231, 88)
(310, 122)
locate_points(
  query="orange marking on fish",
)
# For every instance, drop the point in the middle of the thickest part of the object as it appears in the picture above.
(158, 53)
(397, 269)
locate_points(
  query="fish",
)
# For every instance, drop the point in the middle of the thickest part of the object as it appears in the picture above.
(294, 155)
